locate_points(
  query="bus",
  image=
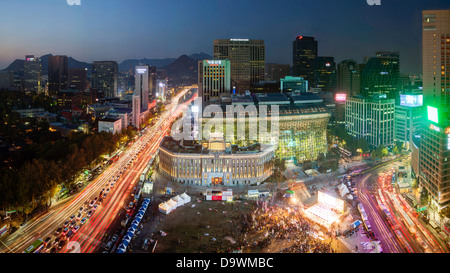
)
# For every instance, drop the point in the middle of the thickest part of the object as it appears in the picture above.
(114, 158)
(35, 247)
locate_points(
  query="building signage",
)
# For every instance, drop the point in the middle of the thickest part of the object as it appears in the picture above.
(341, 97)
(435, 128)
(214, 62)
(141, 70)
(411, 100)
(433, 114)
(239, 40)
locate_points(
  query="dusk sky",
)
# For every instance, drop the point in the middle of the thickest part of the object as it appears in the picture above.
(119, 29)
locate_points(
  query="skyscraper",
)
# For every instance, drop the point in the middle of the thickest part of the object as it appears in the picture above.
(141, 85)
(348, 77)
(78, 79)
(104, 77)
(152, 76)
(381, 74)
(304, 57)
(325, 74)
(213, 80)
(247, 60)
(434, 150)
(58, 74)
(136, 105)
(32, 74)
(274, 72)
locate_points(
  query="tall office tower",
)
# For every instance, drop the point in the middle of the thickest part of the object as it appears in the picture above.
(104, 77)
(136, 106)
(141, 85)
(274, 72)
(348, 78)
(304, 57)
(381, 74)
(325, 74)
(247, 60)
(32, 74)
(78, 79)
(152, 76)
(434, 150)
(213, 80)
(371, 118)
(58, 74)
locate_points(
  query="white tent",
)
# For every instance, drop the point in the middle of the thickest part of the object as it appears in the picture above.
(343, 190)
(164, 208)
(172, 204)
(178, 200)
(186, 198)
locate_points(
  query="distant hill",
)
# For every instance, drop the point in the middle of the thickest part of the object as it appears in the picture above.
(158, 63)
(182, 70)
(17, 65)
(179, 70)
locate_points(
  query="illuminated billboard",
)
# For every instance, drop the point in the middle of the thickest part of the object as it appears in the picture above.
(433, 114)
(411, 100)
(341, 97)
(336, 203)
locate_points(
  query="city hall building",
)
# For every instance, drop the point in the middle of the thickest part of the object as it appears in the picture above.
(214, 162)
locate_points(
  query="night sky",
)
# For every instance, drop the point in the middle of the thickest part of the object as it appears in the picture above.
(120, 29)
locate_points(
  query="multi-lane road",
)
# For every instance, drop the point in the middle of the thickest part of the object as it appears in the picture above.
(392, 220)
(118, 180)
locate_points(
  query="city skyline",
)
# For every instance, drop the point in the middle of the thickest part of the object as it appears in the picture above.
(167, 30)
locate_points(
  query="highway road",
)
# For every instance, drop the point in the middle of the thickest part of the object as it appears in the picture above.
(122, 174)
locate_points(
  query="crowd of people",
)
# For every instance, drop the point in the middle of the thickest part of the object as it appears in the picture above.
(284, 226)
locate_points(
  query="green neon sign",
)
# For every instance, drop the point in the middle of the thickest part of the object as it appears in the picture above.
(433, 114)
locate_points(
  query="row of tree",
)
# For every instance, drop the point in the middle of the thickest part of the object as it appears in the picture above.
(53, 164)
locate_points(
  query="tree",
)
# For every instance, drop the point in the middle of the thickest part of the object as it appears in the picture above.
(380, 152)
(363, 145)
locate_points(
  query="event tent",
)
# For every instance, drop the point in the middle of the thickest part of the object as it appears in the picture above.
(178, 200)
(186, 198)
(172, 204)
(164, 208)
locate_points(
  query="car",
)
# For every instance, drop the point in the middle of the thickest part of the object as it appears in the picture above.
(86, 210)
(80, 210)
(69, 234)
(56, 241)
(47, 240)
(114, 238)
(53, 250)
(66, 223)
(104, 195)
(65, 231)
(95, 199)
(95, 207)
(111, 186)
(72, 217)
(91, 204)
(83, 221)
(75, 229)
(61, 244)
(90, 213)
(145, 245)
(58, 230)
(107, 190)
(109, 245)
(73, 223)
(79, 216)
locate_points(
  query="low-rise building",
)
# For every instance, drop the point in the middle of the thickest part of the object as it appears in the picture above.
(110, 125)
